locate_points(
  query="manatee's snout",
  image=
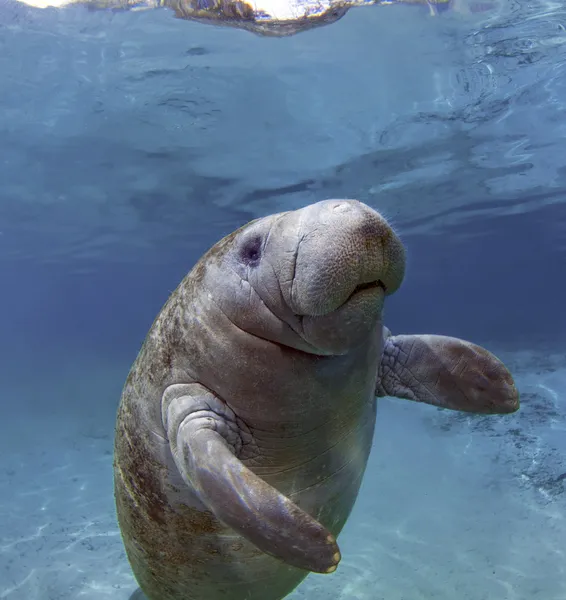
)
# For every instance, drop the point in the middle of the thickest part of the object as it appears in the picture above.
(346, 251)
(340, 261)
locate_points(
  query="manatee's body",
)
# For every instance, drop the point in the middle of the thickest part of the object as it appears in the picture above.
(246, 422)
(312, 424)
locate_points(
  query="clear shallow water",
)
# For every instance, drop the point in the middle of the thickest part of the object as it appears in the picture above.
(132, 142)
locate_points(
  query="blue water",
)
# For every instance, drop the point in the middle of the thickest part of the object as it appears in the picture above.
(131, 142)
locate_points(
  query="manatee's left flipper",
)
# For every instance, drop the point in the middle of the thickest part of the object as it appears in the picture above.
(205, 438)
(446, 372)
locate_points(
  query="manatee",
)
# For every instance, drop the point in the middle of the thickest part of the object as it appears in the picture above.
(246, 421)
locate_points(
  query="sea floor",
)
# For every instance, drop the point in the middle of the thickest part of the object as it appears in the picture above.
(453, 507)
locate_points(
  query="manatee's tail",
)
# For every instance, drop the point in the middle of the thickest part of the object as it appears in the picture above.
(138, 595)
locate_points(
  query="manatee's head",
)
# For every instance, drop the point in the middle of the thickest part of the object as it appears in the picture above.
(313, 279)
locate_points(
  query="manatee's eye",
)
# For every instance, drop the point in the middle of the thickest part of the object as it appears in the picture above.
(251, 251)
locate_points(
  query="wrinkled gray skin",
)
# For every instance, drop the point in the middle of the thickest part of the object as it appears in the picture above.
(247, 419)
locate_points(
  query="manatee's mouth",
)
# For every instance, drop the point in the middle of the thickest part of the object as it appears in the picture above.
(336, 331)
(372, 285)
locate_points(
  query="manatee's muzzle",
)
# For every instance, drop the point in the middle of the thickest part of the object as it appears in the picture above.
(349, 324)
(351, 249)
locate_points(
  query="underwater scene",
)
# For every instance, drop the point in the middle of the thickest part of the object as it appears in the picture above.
(283, 300)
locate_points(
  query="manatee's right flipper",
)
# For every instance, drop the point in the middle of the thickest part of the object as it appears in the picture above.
(204, 436)
(138, 595)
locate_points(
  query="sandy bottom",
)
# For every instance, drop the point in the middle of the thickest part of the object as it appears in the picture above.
(453, 507)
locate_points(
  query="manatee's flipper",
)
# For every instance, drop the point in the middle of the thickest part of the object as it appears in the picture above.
(138, 595)
(204, 436)
(446, 372)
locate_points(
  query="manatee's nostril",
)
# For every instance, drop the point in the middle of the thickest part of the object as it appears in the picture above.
(341, 207)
